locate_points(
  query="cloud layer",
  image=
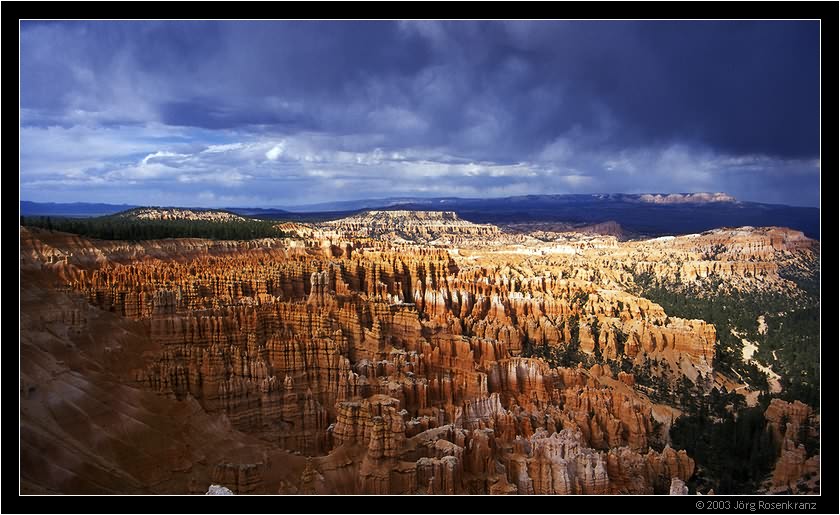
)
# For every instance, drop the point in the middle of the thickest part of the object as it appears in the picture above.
(286, 113)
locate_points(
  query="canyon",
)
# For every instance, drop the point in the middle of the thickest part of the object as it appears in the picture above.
(391, 352)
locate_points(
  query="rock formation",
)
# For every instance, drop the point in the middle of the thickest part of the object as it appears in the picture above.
(170, 213)
(678, 487)
(218, 490)
(791, 424)
(412, 226)
(355, 360)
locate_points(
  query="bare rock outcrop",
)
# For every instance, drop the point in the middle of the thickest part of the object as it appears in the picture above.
(791, 424)
(678, 487)
(355, 360)
(218, 490)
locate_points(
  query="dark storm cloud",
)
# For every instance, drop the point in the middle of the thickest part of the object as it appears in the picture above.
(580, 106)
(211, 113)
(742, 87)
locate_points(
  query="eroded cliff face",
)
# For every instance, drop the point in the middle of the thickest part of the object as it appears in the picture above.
(86, 427)
(792, 424)
(341, 365)
(412, 226)
(746, 258)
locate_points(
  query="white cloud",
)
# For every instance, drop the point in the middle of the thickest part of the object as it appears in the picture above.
(134, 164)
(226, 178)
(215, 149)
(159, 154)
(275, 152)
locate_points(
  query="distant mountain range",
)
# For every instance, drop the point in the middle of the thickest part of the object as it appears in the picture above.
(643, 214)
(76, 209)
(445, 202)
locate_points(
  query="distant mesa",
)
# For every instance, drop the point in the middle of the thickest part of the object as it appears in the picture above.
(170, 213)
(406, 216)
(417, 226)
(686, 198)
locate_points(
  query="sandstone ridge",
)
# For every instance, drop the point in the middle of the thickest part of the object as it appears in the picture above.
(172, 213)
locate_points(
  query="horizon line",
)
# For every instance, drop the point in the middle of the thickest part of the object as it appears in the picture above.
(421, 197)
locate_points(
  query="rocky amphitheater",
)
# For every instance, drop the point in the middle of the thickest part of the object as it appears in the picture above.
(379, 354)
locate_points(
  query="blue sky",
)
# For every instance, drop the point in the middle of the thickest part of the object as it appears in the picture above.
(286, 113)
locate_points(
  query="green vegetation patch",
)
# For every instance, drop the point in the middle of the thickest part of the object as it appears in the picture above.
(115, 227)
(731, 444)
(791, 344)
(733, 452)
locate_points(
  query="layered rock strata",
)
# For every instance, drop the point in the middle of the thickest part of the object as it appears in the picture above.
(358, 365)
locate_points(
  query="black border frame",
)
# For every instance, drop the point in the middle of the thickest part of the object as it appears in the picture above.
(827, 12)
